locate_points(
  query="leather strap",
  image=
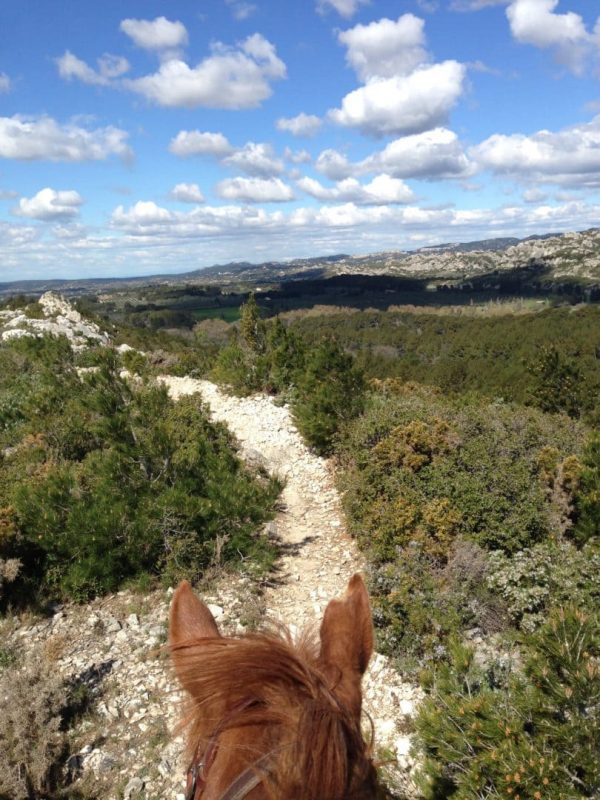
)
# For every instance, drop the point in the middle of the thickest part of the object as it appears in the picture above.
(244, 783)
(201, 763)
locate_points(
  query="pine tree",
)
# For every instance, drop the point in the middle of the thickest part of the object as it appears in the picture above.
(532, 735)
(251, 325)
(330, 392)
(286, 353)
(557, 383)
(587, 501)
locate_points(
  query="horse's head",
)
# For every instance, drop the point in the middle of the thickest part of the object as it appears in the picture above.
(271, 719)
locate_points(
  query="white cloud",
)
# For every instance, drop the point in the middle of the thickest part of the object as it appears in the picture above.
(386, 48)
(346, 8)
(241, 9)
(403, 93)
(255, 190)
(534, 196)
(534, 22)
(15, 236)
(144, 213)
(428, 6)
(69, 67)
(70, 231)
(49, 204)
(334, 164)
(146, 219)
(475, 5)
(187, 193)
(297, 156)
(347, 215)
(5, 83)
(156, 34)
(570, 157)
(382, 190)
(109, 67)
(403, 105)
(437, 153)
(147, 239)
(42, 138)
(230, 78)
(300, 125)
(255, 159)
(199, 143)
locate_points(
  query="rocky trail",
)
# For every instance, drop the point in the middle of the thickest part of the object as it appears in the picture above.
(318, 556)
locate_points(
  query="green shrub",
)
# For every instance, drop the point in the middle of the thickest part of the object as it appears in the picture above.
(109, 480)
(252, 328)
(545, 575)
(263, 356)
(135, 362)
(557, 383)
(240, 369)
(242, 364)
(481, 459)
(587, 500)
(194, 361)
(34, 310)
(418, 606)
(530, 735)
(329, 393)
(286, 354)
(411, 611)
(431, 486)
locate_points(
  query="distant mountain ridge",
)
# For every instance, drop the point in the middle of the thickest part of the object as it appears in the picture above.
(566, 256)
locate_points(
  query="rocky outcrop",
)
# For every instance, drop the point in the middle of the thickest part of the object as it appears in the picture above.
(59, 319)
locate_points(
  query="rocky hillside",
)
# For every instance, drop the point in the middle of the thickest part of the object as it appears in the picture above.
(567, 256)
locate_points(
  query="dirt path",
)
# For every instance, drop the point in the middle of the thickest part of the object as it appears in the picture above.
(318, 555)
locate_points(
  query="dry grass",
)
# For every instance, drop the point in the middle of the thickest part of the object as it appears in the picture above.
(32, 745)
(54, 648)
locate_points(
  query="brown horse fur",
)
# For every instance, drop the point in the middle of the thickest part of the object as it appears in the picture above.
(307, 715)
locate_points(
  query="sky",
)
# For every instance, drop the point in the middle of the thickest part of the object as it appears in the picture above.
(141, 137)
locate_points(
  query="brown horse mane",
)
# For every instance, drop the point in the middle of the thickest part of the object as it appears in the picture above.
(316, 742)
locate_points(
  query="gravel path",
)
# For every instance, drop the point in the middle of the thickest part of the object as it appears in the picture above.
(318, 554)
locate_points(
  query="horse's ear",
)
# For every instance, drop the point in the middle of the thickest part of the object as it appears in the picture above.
(347, 639)
(190, 618)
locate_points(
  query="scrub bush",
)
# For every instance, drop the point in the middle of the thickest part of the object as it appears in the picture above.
(531, 734)
(107, 480)
(329, 393)
(455, 503)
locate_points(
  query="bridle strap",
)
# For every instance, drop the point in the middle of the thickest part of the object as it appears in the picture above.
(244, 783)
(202, 761)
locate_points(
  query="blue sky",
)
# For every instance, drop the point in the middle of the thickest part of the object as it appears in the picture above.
(139, 137)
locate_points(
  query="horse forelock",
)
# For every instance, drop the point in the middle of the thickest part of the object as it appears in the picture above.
(316, 745)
